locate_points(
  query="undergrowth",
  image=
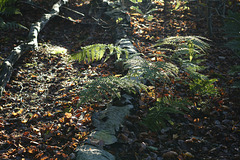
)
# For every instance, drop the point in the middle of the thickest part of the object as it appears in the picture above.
(184, 55)
(232, 32)
(96, 52)
(9, 8)
(161, 114)
(107, 88)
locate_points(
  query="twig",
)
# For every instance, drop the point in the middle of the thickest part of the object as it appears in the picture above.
(74, 11)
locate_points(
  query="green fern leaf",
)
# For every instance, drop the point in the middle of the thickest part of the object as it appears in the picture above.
(96, 52)
(101, 52)
(161, 113)
(154, 71)
(108, 88)
(8, 7)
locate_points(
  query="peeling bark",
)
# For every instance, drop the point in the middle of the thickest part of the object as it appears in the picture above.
(29, 45)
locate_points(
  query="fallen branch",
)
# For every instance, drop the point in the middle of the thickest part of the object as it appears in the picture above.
(30, 45)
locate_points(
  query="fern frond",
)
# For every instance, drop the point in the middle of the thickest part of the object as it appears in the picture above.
(108, 88)
(154, 71)
(7, 7)
(186, 51)
(204, 87)
(193, 69)
(96, 52)
(197, 40)
(159, 115)
(232, 31)
(10, 25)
(232, 24)
(183, 45)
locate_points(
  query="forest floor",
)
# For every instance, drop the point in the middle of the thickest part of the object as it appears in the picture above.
(39, 116)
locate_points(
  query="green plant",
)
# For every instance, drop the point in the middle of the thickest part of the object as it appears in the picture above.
(184, 47)
(8, 8)
(180, 4)
(235, 70)
(203, 87)
(151, 71)
(232, 31)
(144, 8)
(10, 25)
(108, 88)
(97, 51)
(160, 115)
(193, 70)
(187, 52)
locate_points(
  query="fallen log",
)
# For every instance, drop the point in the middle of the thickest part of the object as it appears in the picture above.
(107, 122)
(30, 45)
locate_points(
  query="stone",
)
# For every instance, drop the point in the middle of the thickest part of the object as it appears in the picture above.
(104, 136)
(111, 118)
(88, 152)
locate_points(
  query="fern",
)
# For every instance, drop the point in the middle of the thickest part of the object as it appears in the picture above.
(160, 115)
(96, 52)
(108, 88)
(7, 7)
(152, 71)
(184, 47)
(193, 70)
(203, 87)
(232, 31)
(10, 25)
(187, 51)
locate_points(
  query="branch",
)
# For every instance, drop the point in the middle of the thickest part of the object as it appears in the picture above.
(29, 45)
(69, 19)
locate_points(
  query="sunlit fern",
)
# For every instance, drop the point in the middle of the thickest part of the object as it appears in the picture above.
(187, 52)
(203, 87)
(184, 47)
(160, 115)
(96, 52)
(151, 71)
(107, 88)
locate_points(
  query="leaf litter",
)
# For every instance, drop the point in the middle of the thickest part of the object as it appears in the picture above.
(40, 119)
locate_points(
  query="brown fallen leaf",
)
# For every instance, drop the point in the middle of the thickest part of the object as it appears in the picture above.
(68, 115)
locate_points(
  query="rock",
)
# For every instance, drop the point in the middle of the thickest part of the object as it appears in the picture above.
(111, 118)
(72, 156)
(104, 136)
(88, 152)
(171, 155)
(127, 44)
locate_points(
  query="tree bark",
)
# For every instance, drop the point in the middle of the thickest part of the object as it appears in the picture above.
(29, 45)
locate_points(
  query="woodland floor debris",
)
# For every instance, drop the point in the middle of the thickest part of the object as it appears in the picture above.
(39, 117)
